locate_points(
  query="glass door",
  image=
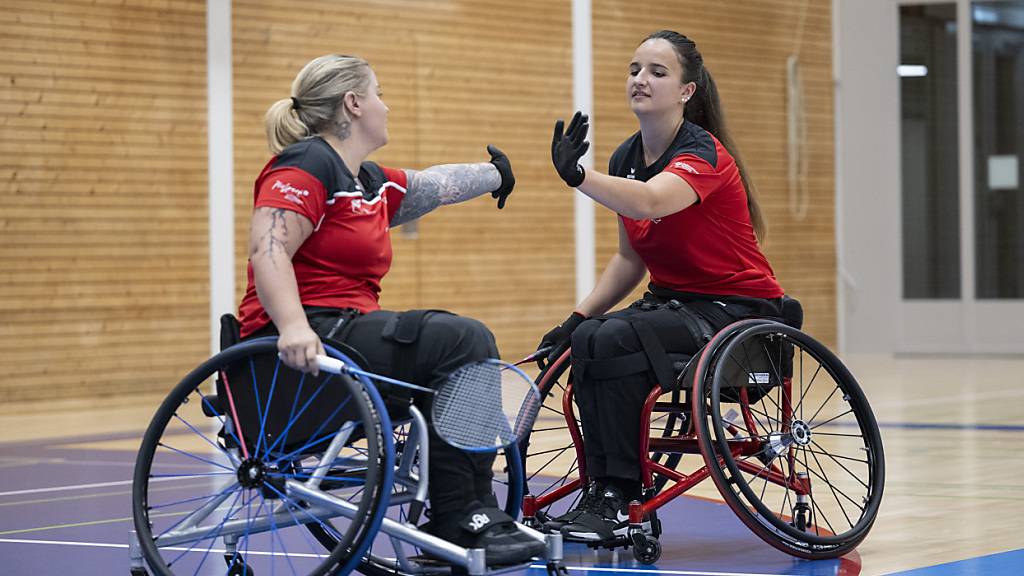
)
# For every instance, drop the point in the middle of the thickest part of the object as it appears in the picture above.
(961, 139)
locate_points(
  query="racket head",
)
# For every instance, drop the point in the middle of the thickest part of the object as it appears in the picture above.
(485, 406)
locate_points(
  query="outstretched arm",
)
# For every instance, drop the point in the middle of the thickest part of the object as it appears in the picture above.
(444, 184)
(660, 196)
(454, 183)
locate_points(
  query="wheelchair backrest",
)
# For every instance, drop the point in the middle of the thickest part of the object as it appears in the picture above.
(759, 364)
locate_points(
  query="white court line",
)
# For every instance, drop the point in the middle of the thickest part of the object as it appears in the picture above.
(258, 553)
(80, 486)
(656, 571)
(173, 548)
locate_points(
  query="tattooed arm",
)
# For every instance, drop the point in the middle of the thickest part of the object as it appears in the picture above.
(275, 236)
(444, 184)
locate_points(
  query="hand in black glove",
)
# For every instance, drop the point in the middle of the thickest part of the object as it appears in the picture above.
(559, 337)
(508, 181)
(568, 148)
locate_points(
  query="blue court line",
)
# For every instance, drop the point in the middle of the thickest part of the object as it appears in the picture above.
(1002, 563)
(937, 426)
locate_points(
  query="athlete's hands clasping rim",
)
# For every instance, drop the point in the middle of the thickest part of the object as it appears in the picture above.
(298, 346)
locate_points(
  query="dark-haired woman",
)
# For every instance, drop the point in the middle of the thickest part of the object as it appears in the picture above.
(687, 215)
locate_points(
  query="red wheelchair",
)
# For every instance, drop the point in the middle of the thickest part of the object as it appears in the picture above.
(781, 426)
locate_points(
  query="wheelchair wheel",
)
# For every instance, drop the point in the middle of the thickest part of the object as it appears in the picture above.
(789, 438)
(218, 477)
(548, 452)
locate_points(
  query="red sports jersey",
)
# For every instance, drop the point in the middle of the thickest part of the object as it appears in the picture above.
(708, 247)
(342, 262)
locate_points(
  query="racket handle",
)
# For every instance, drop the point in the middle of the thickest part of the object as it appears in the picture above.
(328, 364)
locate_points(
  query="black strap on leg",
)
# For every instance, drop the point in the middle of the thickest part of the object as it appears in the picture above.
(404, 329)
(657, 358)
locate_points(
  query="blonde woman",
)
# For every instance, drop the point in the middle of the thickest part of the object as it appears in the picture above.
(319, 246)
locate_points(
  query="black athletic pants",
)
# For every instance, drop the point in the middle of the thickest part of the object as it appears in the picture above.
(610, 407)
(458, 479)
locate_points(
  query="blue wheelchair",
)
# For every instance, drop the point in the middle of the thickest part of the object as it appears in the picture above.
(250, 467)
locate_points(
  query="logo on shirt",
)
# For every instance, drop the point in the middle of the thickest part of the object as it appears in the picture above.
(632, 174)
(291, 193)
(360, 206)
(685, 166)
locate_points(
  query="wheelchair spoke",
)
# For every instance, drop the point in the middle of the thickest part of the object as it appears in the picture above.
(297, 506)
(214, 531)
(785, 488)
(823, 404)
(205, 401)
(293, 418)
(835, 492)
(823, 476)
(840, 464)
(203, 436)
(194, 457)
(536, 430)
(820, 433)
(850, 411)
(314, 440)
(207, 498)
(546, 407)
(804, 391)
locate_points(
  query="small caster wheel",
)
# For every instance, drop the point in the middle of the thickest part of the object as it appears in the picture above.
(239, 569)
(801, 512)
(557, 569)
(648, 552)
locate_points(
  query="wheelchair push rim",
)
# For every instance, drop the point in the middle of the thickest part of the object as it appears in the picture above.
(221, 502)
(799, 458)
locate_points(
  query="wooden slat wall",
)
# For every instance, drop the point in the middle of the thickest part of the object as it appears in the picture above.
(103, 242)
(745, 45)
(103, 245)
(456, 75)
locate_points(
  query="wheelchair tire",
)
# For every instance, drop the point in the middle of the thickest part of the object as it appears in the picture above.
(804, 470)
(548, 452)
(208, 500)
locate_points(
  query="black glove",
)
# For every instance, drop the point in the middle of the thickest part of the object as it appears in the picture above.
(558, 338)
(568, 148)
(508, 181)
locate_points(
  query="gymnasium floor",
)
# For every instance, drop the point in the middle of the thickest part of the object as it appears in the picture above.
(953, 503)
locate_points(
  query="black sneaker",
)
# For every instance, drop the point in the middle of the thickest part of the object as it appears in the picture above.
(494, 531)
(591, 494)
(606, 518)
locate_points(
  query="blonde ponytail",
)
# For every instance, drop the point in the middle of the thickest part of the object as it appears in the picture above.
(284, 127)
(317, 93)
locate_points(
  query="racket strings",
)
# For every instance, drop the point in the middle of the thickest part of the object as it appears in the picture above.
(484, 406)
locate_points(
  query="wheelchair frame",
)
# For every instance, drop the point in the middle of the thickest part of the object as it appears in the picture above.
(307, 493)
(725, 456)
